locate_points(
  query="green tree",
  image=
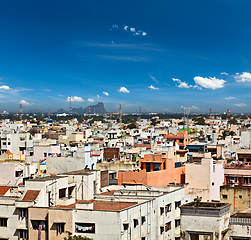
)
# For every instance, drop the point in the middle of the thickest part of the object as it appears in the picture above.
(75, 237)
(128, 120)
(232, 121)
(199, 121)
(131, 126)
(97, 119)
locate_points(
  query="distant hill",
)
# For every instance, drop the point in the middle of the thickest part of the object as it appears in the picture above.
(99, 108)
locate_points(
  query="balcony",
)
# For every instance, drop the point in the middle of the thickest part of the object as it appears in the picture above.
(237, 166)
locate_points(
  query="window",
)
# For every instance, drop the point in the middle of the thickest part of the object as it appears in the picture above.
(135, 222)
(212, 183)
(18, 173)
(143, 219)
(168, 208)
(62, 193)
(177, 238)
(70, 191)
(23, 212)
(177, 204)
(143, 238)
(224, 196)
(161, 230)
(3, 222)
(45, 154)
(22, 234)
(4, 143)
(126, 226)
(167, 226)
(35, 224)
(214, 168)
(8, 143)
(161, 211)
(240, 196)
(60, 228)
(177, 222)
(85, 227)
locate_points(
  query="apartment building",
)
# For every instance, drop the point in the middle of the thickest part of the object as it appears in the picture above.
(16, 143)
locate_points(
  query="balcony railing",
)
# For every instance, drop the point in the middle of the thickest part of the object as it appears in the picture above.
(237, 166)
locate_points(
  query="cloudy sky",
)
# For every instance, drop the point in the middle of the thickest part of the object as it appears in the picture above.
(157, 55)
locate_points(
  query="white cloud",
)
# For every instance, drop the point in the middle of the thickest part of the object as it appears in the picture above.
(154, 79)
(240, 104)
(4, 87)
(152, 87)
(182, 84)
(115, 26)
(90, 100)
(98, 96)
(244, 77)
(211, 83)
(196, 86)
(195, 108)
(23, 102)
(134, 31)
(224, 73)
(106, 93)
(123, 90)
(75, 99)
(230, 98)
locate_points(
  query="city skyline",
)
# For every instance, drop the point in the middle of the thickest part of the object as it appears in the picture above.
(155, 55)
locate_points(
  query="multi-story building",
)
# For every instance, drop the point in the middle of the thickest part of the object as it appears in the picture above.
(50, 206)
(204, 220)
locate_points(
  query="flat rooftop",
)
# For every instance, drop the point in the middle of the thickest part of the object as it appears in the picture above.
(241, 215)
(213, 205)
(80, 172)
(44, 179)
(102, 205)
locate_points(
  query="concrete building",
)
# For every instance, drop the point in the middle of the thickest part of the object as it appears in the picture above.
(182, 138)
(156, 170)
(39, 152)
(11, 173)
(238, 196)
(204, 220)
(16, 143)
(205, 177)
(81, 159)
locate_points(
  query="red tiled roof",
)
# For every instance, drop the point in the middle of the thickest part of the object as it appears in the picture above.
(3, 190)
(112, 206)
(101, 205)
(30, 195)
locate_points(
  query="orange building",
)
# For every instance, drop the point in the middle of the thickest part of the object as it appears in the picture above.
(156, 170)
(182, 138)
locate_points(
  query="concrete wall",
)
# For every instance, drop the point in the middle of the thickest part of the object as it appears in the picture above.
(239, 197)
(7, 173)
(57, 165)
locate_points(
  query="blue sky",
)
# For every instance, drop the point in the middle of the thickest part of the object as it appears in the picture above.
(157, 55)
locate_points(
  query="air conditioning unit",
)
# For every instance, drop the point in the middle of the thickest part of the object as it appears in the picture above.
(231, 180)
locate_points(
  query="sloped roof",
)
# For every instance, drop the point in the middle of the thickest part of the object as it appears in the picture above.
(3, 190)
(30, 195)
